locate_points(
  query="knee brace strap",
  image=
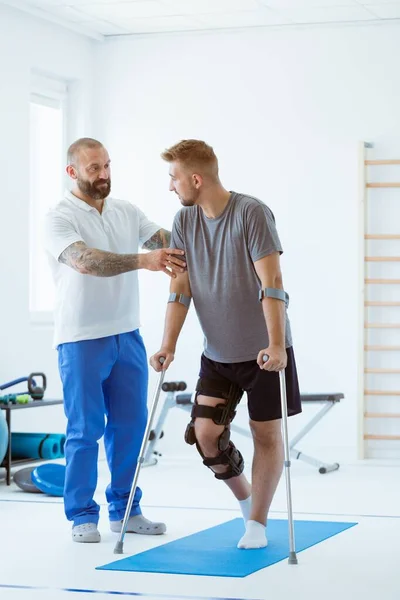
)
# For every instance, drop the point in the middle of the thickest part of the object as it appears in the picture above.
(222, 414)
(232, 457)
(223, 388)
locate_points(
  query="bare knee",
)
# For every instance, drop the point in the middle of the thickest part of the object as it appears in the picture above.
(267, 433)
(207, 434)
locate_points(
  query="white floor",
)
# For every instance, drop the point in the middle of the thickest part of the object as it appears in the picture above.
(39, 560)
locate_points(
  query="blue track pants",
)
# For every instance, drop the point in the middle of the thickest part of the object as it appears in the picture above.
(105, 393)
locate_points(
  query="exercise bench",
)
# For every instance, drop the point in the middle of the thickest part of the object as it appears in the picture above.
(185, 402)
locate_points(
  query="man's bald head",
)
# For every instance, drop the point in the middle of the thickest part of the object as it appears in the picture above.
(75, 149)
(89, 167)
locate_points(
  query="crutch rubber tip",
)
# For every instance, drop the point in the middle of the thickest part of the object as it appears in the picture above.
(292, 558)
(119, 548)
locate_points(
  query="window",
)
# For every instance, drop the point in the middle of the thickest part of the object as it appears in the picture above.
(47, 160)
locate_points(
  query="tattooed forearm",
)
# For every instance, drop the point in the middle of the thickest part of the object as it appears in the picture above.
(90, 261)
(107, 264)
(161, 239)
(72, 254)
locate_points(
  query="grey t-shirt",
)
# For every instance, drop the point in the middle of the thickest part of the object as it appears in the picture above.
(220, 254)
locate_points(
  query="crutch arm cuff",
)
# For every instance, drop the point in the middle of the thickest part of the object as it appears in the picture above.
(276, 293)
(180, 298)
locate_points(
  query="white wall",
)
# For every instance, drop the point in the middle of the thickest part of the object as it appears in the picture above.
(284, 110)
(28, 44)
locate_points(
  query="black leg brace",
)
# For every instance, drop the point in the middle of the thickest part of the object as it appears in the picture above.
(222, 414)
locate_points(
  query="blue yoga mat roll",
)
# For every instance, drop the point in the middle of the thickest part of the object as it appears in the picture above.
(37, 445)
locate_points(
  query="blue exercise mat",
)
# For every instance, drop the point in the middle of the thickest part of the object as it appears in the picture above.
(213, 552)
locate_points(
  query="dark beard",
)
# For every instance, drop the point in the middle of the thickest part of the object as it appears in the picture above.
(94, 190)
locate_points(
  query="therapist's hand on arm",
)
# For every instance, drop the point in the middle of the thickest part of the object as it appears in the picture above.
(91, 261)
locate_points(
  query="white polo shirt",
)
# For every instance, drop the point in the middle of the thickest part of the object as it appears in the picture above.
(89, 307)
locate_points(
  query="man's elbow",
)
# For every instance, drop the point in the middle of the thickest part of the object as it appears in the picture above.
(180, 289)
(166, 238)
(180, 285)
(278, 281)
(272, 280)
(83, 263)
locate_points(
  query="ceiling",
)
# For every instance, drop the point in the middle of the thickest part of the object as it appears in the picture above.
(99, 18)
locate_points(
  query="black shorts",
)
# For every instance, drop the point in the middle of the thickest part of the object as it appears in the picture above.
(262, 387)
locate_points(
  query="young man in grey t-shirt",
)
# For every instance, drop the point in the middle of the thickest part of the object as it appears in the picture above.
(233, 276)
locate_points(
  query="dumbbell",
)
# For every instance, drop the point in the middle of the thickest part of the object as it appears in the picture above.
(174, 386)
(8, 399)
(23, 398)
(15, 399)
(34, 390)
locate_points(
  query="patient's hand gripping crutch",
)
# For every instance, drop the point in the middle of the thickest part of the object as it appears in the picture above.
(292, 560)
(119, 546)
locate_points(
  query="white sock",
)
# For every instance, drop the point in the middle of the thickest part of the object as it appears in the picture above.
(254, 537)
(245, 507)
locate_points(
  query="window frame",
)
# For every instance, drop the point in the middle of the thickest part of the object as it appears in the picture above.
(52, 92)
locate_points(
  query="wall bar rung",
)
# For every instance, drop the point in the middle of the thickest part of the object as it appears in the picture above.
(383, 281)
(381, 303)
(382, 258)
(392, 184)
(382, 236)
(382, 325)
(372, 436)
(383, 371)
(393, 161)
(381, 393)
(369, 415)
(381, 348)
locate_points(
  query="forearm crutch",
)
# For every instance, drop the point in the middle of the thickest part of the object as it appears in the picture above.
(119, 546)
(292, 560)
